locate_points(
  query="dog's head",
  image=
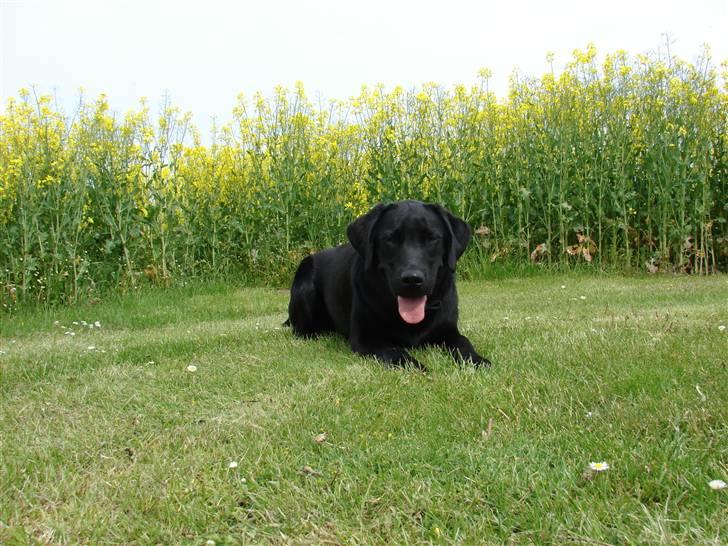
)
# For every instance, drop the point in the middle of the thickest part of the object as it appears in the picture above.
(409, 242)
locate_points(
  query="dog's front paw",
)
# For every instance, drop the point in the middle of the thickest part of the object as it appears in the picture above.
(399, 357)
(479, 361)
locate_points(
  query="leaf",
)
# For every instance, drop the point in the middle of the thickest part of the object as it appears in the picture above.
(483, 231)
(308, 471)
(320, 438)
(586, 247)
(538, 253)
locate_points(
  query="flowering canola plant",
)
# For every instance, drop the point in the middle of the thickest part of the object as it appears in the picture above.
(627, 158)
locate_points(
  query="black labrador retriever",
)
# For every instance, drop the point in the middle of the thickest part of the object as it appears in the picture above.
(392, 288)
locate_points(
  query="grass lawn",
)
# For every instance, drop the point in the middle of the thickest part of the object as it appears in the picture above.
(107, 437)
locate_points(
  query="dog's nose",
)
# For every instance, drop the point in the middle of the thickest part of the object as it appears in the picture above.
(412, 278)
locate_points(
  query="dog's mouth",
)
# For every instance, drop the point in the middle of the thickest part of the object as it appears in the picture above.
(412, 310)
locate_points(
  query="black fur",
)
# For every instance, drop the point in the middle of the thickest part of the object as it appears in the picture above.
(404, 249)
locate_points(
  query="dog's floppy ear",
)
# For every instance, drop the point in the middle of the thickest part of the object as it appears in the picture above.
(459, 232)
(361, 231)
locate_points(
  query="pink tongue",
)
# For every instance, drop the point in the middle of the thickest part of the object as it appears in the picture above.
(412, 310)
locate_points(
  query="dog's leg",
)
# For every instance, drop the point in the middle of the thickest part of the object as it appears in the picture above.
(458, 345)
(388, 355)
(368, 338)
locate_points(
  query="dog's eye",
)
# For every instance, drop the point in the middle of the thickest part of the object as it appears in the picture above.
(389, 239)
(432, 238)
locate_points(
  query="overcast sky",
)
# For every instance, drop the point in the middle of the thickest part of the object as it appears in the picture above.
(204, 53)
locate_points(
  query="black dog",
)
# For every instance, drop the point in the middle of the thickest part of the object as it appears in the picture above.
(392, 288)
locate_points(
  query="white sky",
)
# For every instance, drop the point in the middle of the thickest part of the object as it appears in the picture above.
(204, 53)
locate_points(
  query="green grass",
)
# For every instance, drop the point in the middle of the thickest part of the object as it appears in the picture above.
(127, 446)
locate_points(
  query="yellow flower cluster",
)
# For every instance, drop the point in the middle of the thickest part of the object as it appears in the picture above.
(629, 152)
